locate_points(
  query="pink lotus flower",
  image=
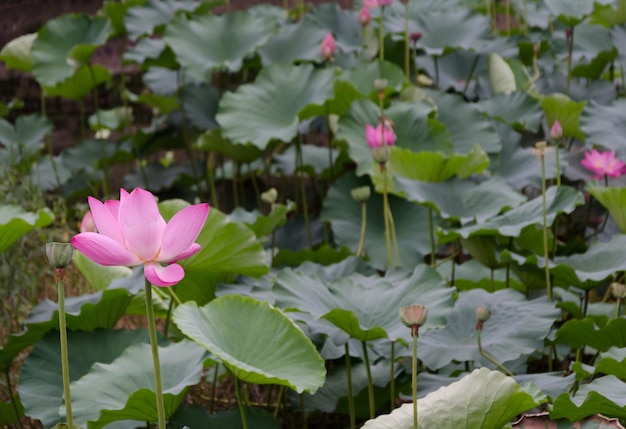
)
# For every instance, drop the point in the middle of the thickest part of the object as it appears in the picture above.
(370, 3)
(603, 163)
(364, 15)
(132, 232)
(556, 132)
(379, 136)
(327, 47)
(87, 225)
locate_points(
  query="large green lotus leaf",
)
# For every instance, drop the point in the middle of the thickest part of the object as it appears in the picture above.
(604, 395)
(149, 18)
(213, 140)
(517, 327)
(543, 420)
(618, 35)
(16, 54)
(517, 109)
(414, 130)
(343, 23)
(15, 222)
(239, 330)
(568, 112)
(295, 41)
(41, 381)
(129, 382)
(613, 362)
(594, 332)
(25, 138)
(197, 416)
(366, 307)
(98, 276)
(201, 103)
(208, 43)
(271, 107)
(81, 83)
(149, 52)
(116, 11)
(263, 225)
(466, 125)
(228, 248)
(410, 220)
(563, 199)
(484, 399)
(461, 200)
(571, 12)
(593, 50)
(605, 124)
(362, 77)
(64, 43)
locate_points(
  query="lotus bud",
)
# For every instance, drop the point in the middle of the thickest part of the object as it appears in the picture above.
(413, 316)
(415, 36)
(540, 149)
(327, 48)
(87, 224)
(618, 290)
(269, 196)
(556, 132)
(365, 17)
(380, 84)
(424, 80)
(482, 315)
(59, 254)
(361, 194)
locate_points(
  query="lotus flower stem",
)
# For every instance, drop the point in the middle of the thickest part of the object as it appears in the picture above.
(305, 206)
(431, 233)
(235, 183)
(618, 304)
(406, 40)
(304, 418)
(168, 317)
(471, 73)
(13, 400)
(211, 179)
(386, 211)
(394, 237)
(370, 384)
(351, 409)
(105, 169)
(214, 387)
(392, 377)
(570, 48)
(414, 333)
(255, 186)
(436, 63)
(525, 16)
(489, 357)
(154, 345)
(48, 144)
(545, 225)
(60, 274)
(242, 409)
(381, 34)
(363, 226)
(279, 400)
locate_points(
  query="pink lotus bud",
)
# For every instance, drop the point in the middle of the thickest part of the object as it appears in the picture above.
(327, 48)
(87, 224)
(364, 15)
(556, 132)
(415, 36)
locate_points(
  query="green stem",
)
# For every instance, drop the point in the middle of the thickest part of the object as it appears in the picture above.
(214, 388)
(489, 358)
(414, 378)
(59, 275)
(304, 422)
(168, 317)
(154, 345)
(586, 303)
(351, 408)
(96, 106)
(431, 233)
(370, 383)
(13, 400)
(211, 177)
(381, 34)
(394, 237)
(558, 163)
(392, 377)
(471, 73)
(48, 144)
(305, 206)
(279, 400)
(570, 48)
(363, 226)
(545, 227)
(235, 180)
(406, 40)
(618, 304)
(436, 62)
(242, 409)
(386, 211)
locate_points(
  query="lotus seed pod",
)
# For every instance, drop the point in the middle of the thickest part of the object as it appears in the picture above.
(483, 313)
(59, 254)
(618, 290)
(413, 315)
(361, 194)
(381, 154)
(269, 196)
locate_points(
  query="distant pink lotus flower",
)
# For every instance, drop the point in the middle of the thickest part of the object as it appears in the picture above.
(603, 163)
(370, 3)
(327, 47)
(556, 132)
(132, 232)
(87, 225)
(379, 136)
(364, 15)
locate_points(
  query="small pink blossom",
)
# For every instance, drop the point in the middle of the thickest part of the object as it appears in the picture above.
(364, 15)
(379, 136)
(603, 164)
(370, 3)
(132, 232)
(327, 48)
(87, 224)
(556, 132)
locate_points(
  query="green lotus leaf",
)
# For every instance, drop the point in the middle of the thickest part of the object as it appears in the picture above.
(149, 18)
(204, 44)
(24, 139)
(129, 383)
(483, 399)
(212, 140)
(116, 119)
(98, 276)
(618, 35)
(324, 254)
(410, 220)
(148, 53)
(271, 107)
(263, 225)
(570, 12)
(541, 420)
(597, 332)
(7, 412)
(568, 112)
(116, 11)
(461, 200)
(605, 124)
(612, 362)
(239, 329)
(16, 222)
(467, 126)
(517, 109)
(81, 83)
(17, 53)
(295, 41)
(593, 50)
(343, 23)
(41, 382)
(517, 327)
(414, 130)
(362, 77)
(65, 43)
(604, 395)
(228, 248)
(197, 416)
(366, 307)
(201, 103)
(563, 199)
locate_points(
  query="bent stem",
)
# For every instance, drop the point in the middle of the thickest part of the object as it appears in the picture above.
(13, 400)
(489, 357)
(414, 332)
(59, 276)
(351, 409)
(370, 384)
(154, 345)
(363, 226)
(545, 227)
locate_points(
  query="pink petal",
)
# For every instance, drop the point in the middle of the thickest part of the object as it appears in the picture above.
(195, 248)
(371, 137)
(113, 206)
(104, 220)
(141, 224)
(182, 231)
(163, 276)
(104, 250)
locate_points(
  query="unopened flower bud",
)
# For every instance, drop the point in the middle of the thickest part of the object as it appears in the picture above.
(365, 16)
(556, 132)
(380, 84)
(361, 194)
(413, 315)
(59, 254)
(415, 36)
(269, 196)
(483, 313)
(618, 290)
